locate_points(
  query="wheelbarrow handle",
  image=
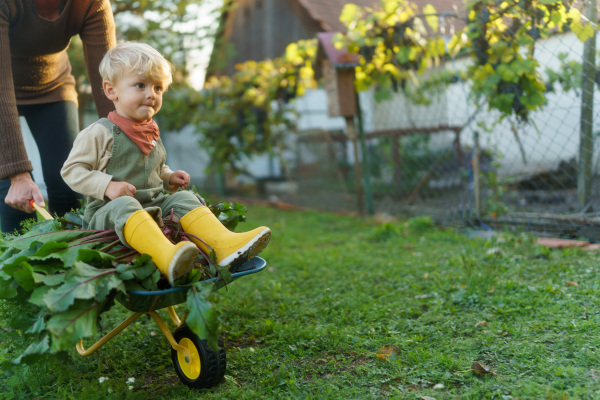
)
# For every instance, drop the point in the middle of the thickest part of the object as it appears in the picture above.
(40, 209)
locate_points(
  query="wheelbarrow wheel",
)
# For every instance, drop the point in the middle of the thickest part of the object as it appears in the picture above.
(205, 369)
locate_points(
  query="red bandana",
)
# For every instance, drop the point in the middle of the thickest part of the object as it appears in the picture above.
(144, 135)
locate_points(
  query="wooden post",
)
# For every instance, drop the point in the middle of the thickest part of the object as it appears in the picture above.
(586, 139)
(351, 132)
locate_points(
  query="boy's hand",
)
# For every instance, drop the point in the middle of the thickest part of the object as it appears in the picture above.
(179, 179)
(118, 189)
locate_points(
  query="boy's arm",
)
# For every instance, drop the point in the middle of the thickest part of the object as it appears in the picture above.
(82, 170)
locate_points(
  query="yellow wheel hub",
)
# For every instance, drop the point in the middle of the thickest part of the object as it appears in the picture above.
(190, 366)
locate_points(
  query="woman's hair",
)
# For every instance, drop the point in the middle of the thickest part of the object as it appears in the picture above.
(135, 57)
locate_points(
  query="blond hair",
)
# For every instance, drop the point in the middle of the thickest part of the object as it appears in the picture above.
(135, 57)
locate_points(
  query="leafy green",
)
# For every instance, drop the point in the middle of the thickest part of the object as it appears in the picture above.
(71, 276)
(202, 318)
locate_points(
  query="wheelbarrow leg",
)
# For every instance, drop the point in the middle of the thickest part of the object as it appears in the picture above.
(161, 324)
(81, 350)
(175, 318)
(165, 330)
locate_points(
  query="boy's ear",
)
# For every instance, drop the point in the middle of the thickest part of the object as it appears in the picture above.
(109, 90)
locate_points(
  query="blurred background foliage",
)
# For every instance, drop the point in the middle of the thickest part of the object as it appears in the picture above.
(248, 113)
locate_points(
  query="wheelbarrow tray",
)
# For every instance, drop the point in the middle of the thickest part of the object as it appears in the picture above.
(145, 301)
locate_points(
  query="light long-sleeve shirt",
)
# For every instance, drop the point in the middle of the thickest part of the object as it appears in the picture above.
(85, 168)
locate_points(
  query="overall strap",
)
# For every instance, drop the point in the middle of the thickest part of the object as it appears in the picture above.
(106, 122)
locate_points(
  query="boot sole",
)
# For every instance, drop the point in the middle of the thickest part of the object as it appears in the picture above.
(182, 262)
(249, 250)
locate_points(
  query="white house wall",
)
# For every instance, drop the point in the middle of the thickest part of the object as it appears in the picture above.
(552, 137)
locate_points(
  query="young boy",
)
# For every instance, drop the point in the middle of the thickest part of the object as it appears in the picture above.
(118, 163)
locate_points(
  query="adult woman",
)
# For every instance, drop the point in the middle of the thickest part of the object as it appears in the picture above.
(36, 82)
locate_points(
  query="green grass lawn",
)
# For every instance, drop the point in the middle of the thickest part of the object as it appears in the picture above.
(337, 290)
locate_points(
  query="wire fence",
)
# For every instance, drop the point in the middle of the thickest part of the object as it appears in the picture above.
(454, 160)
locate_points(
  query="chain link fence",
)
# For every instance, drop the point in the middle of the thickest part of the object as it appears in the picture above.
(454, 160)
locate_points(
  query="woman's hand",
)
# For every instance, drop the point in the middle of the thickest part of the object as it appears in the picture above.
(118, 189)
(22, 190)
(179, 179)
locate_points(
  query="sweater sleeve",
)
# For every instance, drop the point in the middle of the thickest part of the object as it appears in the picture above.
(13, 156)
(98, 36)
(83, 170)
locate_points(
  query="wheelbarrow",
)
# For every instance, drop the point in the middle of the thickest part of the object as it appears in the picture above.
(195, 363)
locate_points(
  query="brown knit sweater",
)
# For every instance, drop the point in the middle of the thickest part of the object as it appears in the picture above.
(35, 69)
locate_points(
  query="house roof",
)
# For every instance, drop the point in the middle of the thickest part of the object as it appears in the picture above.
(327, 12)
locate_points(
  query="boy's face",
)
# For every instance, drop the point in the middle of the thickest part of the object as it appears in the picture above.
(136, 97)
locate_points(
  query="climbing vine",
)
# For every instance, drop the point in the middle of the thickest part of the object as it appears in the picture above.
(400, 48)
(398, 43)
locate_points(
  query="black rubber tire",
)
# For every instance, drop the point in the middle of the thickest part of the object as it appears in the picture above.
(212, 365)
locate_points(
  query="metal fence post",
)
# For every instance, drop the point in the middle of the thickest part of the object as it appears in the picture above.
(365, 159)
(586, 140)
(353, 136)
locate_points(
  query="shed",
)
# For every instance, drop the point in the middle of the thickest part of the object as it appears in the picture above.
(262, 29)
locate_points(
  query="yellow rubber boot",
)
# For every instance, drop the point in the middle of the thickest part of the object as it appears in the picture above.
(231, 248)
(143, 234)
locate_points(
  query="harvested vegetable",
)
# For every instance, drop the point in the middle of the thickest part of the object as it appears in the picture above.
(62, 278)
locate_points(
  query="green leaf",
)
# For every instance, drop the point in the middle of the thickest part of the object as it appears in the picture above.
(202, 318)
(432, 19)
(49, 280)
(34, 350)
(37, 297)
(12, 256)
(61, 298)
(583, 31)
(49, 248)
(49, 266)
(22, 273)
(28, 324)
(95, 258)
(38, 326)
(82, 282)
(503, 102)
(22, 321)
(8, 254)
(350, 12)
(7, 290)
(403, 54)
(149, 283)
(76, 323)
(140, 269)
(507, 73)
(533, 100)
(34, 236)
